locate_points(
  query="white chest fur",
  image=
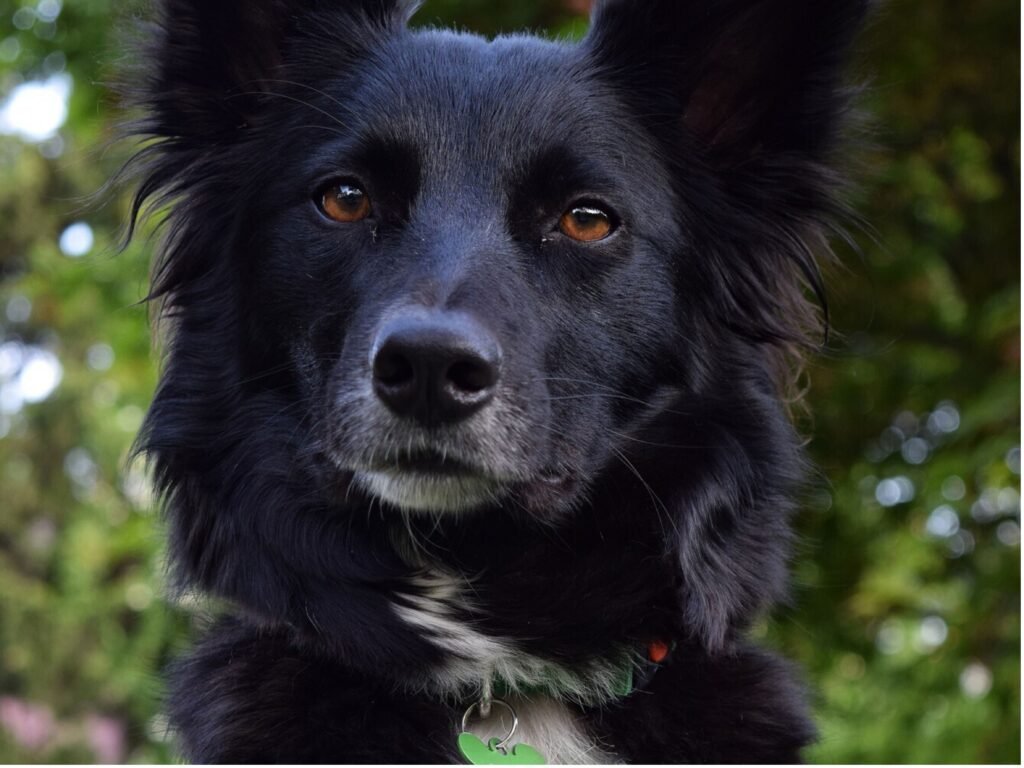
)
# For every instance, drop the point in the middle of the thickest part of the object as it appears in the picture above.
(436, 606)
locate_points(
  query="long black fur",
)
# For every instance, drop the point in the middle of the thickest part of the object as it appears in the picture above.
(643, 413)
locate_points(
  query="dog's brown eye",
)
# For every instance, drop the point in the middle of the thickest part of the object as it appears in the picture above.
(346, 203)
(585, 223)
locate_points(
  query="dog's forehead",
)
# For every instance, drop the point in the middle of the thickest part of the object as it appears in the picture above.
(463, 99)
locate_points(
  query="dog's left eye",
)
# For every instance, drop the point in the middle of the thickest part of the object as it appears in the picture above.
(586, 223)
(345, 202)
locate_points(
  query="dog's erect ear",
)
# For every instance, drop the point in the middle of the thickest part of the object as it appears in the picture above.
(209, 59)
(743, 76)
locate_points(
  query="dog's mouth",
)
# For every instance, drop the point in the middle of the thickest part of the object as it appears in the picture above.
(428, 463)
(436, 481)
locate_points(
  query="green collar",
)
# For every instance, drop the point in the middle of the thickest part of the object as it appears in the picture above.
(633, 671)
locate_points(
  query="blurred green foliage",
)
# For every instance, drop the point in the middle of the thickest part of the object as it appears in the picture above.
(906, 604)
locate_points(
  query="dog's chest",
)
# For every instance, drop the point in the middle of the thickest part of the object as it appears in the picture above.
(553, 729)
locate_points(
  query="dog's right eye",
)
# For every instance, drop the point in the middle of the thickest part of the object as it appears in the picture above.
(345, 202)
(586, 223)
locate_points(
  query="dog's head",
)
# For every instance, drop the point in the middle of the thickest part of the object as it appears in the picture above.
(472, 270)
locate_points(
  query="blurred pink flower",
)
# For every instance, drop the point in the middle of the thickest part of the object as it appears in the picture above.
(106, 737)
(31, 726)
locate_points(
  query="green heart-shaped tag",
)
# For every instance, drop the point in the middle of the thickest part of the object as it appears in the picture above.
(478, 753)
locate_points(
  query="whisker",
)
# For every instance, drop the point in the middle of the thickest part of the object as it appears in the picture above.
(308, 87)
(603, 390)
(659, 504)
(641, 441)
(297, 100)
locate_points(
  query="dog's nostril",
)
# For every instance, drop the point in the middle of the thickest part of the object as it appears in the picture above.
(393, 370)
(472, 376)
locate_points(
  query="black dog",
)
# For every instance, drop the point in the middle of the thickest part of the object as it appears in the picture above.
(475, 392)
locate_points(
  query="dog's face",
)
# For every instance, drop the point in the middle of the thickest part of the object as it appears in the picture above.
(480, 266)
(466, 249)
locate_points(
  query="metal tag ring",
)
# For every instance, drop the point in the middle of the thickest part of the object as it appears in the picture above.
(515, 721)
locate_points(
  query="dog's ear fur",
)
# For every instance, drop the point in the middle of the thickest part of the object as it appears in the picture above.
(209, 60)
(743, 76)
(748, 99)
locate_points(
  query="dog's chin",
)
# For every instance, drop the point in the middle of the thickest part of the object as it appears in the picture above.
(425, 492)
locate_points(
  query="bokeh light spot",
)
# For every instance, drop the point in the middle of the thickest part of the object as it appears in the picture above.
(890, 638)
(1008, 533)
(975, 680)
(77, 240)
(894, 490)
(19, 309)
(945, 418)
(100, 357)
(953, 488)
(943, 522)
(138, 596)
(1013, 459)
(915, 451)
(10, 49)
(48, 10)
(36, 110)
(24, 18)
(932, 633)
(960, 544)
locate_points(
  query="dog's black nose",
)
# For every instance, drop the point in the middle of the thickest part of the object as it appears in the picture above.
(436, 369)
